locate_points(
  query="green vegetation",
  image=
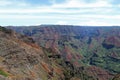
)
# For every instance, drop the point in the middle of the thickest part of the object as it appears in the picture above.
(117, 77)
(3, 73)
(5, 30)
(82, 46)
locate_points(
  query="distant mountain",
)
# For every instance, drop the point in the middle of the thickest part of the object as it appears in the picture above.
(94, 49)
(22, 59)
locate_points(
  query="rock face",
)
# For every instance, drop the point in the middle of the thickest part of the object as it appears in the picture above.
(85, 53)
(22, 59)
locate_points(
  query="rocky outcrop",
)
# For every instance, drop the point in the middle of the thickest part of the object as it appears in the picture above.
(22, 59)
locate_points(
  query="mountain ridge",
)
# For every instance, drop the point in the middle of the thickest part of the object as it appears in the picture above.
(80, 46)
(22, 59)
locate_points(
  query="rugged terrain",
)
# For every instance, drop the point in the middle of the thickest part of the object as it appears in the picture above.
(22, 59)
(85, 53)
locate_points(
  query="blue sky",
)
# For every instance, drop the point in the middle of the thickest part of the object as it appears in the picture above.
(71, 12)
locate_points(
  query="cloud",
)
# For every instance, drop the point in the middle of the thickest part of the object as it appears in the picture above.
(95, 23)
(56, 16)
(62, 23)
(53, 10)
(5, 2)
(82, 4)
(75, 5)
(13, 3)
(97, 12)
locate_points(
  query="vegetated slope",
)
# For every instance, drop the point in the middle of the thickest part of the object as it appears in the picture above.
(96, 50)
(117, 77)
(22, 59)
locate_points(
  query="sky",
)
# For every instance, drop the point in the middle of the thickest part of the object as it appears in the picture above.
(62, 12)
